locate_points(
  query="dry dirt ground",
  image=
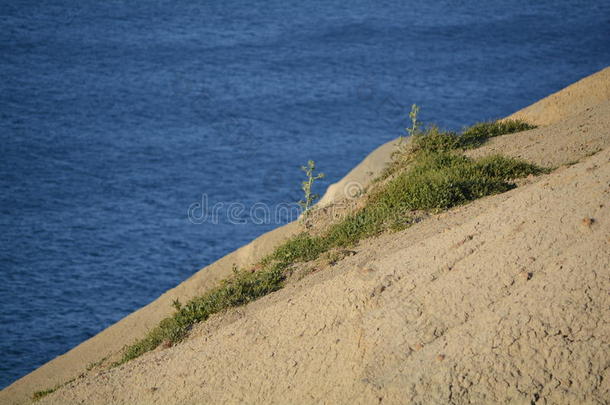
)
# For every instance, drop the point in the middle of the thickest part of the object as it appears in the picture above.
(502, 300)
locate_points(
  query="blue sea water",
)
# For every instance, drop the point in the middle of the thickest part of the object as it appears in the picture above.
(117, 116)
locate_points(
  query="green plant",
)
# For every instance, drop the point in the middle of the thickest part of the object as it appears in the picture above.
(413, 117)
(414, 123)
(302, 247)
(307, 185)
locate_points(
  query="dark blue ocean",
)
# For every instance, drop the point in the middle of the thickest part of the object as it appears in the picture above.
(116, 116)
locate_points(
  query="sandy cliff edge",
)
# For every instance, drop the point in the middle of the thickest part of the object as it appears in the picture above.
(504, 300)
(572, 100)
(588, 96)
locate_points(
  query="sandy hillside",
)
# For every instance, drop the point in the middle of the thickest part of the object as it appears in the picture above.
(501, 300)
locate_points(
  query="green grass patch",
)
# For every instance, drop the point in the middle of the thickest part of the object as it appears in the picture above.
(435, 140)
(433, 182)
(438, 181)
(477, 134)
(301, 248)
(432, 177)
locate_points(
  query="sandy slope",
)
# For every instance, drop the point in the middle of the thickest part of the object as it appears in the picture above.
(580, 131)
(505, 300)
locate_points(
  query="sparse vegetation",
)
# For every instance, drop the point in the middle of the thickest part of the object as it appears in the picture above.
(38, 395)
(478, 133)
(333, 256)
(432, 175)
(415, 124)
(307, 185)
(241, 288)
(95, 364)
(435, 140)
